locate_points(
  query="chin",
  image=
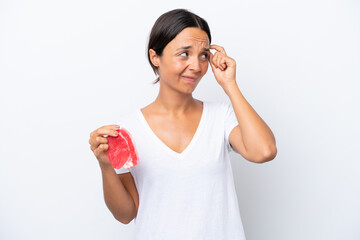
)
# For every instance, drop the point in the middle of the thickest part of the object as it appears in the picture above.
(189, 89)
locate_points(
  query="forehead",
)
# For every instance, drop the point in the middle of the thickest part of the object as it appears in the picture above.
(194, 37)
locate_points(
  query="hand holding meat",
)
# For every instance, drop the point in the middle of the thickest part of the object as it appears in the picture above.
(99, 143)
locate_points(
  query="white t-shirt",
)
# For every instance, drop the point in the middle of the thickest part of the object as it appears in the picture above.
(189, 195)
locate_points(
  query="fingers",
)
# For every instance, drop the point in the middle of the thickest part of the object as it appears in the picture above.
(221, 61)
(218, 60)
(98, 138)
(100, 149)
(105, 130)
(218, 48)
(97, 142)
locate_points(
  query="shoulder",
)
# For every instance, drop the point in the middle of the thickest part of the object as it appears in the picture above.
(217, 106)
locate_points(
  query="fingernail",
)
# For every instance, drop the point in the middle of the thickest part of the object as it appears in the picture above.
(115, 132)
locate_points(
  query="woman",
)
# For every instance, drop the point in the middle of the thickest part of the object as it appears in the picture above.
(183, 186)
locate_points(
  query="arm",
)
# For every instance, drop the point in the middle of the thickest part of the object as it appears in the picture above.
(117, 198)
(252, 138)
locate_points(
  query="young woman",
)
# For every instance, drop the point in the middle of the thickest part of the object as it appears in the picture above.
(183, 186)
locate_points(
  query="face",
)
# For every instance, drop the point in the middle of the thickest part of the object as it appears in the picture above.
(185, 59)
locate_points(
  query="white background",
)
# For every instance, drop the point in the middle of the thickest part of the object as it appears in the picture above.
(68, 67)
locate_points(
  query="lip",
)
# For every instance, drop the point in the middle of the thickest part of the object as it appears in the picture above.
(190, 79)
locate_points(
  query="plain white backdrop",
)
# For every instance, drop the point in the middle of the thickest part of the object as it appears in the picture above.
(69, 67)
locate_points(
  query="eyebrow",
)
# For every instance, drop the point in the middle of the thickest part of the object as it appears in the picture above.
(188, 47)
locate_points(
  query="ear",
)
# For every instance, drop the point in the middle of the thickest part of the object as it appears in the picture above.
(155, 59)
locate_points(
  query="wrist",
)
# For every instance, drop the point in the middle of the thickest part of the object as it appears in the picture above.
(106, 166)
(231, 88)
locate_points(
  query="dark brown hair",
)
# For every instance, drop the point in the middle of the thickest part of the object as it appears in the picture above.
(168, 26)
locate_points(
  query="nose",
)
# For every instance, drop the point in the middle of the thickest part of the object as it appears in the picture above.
(195, 64)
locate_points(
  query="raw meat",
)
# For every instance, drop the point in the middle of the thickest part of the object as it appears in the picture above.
(122, 151)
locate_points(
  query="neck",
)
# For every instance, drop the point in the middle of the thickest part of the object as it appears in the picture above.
(171, 101)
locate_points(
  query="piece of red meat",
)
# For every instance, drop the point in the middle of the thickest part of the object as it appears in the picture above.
(122, 151)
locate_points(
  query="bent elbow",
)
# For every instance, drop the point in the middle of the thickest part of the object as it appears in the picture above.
(123, 220)
(267, 156)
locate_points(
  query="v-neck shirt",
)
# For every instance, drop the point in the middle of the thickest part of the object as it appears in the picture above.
(164, 146)
(187, 195)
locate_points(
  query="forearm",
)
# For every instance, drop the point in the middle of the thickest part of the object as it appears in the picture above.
(257, 136)
(117, 198)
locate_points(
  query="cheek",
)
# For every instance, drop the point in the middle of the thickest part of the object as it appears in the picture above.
(177, 66)
(205, 67)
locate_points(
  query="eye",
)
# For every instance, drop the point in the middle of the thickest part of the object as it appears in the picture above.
(206, 55)
(183, 53)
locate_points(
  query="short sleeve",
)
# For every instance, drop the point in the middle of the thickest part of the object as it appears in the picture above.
(230, 123)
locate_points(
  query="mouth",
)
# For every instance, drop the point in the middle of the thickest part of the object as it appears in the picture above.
(189, 78)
